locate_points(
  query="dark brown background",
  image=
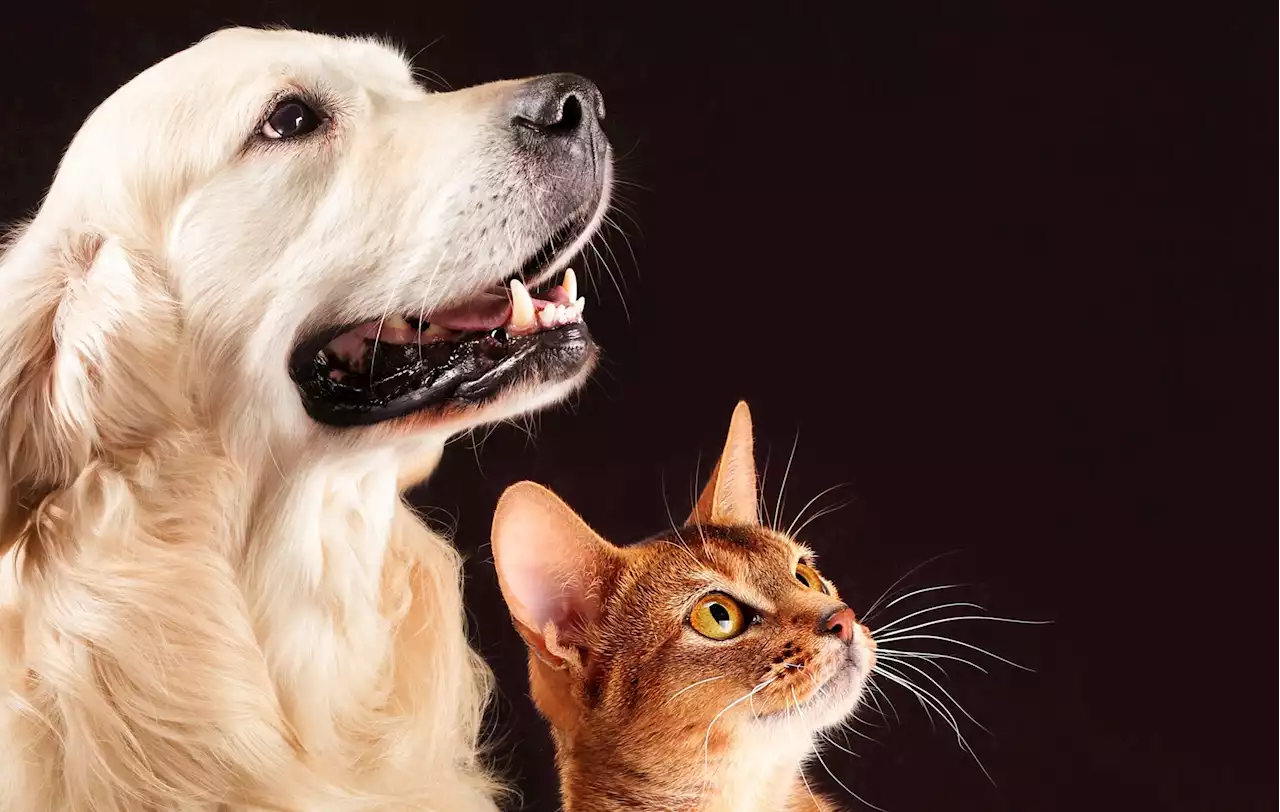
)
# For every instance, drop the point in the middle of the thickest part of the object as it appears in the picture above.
(1006, 268)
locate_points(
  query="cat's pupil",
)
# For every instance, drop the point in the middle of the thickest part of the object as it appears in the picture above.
(721, 616)
(803, 580)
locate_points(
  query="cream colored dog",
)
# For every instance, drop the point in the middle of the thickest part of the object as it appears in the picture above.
(272, 276)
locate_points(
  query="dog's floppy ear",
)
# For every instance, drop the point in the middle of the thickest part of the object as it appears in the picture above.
(80, 328)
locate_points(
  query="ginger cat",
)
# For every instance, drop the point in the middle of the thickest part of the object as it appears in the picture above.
(691, 671)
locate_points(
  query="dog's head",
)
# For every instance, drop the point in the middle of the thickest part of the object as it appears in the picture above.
(281, 236)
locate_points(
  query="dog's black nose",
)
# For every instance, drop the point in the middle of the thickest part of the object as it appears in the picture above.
(557, 107)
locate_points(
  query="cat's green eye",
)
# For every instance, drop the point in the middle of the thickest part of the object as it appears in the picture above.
(806, 575)
(718, 616)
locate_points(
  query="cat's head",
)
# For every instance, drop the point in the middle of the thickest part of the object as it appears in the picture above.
(724, 629)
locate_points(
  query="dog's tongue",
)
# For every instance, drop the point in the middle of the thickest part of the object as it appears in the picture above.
(485, 312)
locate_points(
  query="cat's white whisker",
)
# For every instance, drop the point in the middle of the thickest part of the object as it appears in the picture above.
(818, 755)
(956, 618)
(695, 685)
(762, 498)
(915, 592)
(961, 643)
(777, 511)
(819, 515)
(874, 690)
(791, 529)
(871, 610)
(927, 701)
(962, 604)
(923, 695)
(929, 710)
(706, 743)
(928, 655)
(944, 691)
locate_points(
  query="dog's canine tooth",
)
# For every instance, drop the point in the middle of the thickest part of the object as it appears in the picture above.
(570, 283)
(523, 316)
(396, 322)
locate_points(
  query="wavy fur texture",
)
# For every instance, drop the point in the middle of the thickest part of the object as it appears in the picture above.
(208, 602)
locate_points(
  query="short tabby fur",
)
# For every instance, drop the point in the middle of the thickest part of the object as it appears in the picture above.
(692, 671)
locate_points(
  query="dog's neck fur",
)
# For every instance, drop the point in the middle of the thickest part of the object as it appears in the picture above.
(317, 562)
(328, 664)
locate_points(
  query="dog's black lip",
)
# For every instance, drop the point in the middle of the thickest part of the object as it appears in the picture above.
(479, 369)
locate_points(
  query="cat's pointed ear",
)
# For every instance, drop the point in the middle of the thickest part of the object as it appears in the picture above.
(551, 567)
(730, 496)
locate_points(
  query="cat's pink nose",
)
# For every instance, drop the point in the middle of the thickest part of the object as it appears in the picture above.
(840, 623)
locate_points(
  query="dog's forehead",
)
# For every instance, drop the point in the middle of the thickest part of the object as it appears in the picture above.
(266, 54)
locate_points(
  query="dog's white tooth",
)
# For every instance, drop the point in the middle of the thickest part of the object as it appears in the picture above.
(581, 304)
(547, 316)
(570, 283)
(523, 316)
(396, 322)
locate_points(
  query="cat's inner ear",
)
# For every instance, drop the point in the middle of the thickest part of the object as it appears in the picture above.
(551, 568)
(731, 496)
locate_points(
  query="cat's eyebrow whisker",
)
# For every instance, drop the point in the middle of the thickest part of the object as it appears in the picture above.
(956, 642)
(909, 573)
(791, 528)
(925, 611)
(777, 511)
(684, 548)
(695, 685)
(819, 515)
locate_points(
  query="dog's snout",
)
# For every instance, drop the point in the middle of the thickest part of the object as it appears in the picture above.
(559, 106)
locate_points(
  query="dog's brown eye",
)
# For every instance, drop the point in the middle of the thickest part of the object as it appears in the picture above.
(806, 575)
(290, 119)
(718, 617)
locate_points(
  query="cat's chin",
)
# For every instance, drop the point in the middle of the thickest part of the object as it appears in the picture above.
(831, 704)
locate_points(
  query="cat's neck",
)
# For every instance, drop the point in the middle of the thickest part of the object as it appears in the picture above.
(654, 772)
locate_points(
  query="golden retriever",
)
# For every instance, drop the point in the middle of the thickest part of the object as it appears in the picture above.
(271, 277)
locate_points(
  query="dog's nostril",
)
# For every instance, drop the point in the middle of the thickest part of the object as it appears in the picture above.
(564, 117)
(570, 113)
(557, 106)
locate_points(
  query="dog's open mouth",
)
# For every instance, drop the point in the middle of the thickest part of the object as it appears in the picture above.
(457, 357)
